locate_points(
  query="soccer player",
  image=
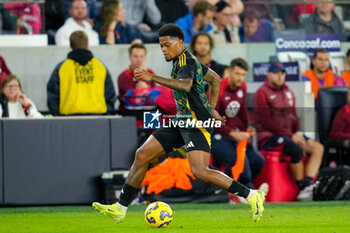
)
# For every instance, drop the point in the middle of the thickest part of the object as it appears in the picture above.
(187, 83)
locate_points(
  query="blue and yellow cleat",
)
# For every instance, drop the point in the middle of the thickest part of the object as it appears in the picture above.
(112, 211)
(257, 204)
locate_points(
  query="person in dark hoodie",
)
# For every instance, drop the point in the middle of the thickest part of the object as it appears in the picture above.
(81, 84)
(278, 128)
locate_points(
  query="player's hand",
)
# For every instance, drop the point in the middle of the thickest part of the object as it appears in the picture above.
(251, 130)
(217, 116)
(142, 74)
(299, 139)
(239, 136)
(22, 98)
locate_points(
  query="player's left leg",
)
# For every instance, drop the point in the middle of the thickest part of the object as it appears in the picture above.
(315, 149)
(199, 166)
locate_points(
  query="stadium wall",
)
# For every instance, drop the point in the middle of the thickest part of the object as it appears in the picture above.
(59, 160)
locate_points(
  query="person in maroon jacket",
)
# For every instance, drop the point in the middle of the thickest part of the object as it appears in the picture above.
(126, 80)
(4, 70)
(341, 124)
(277, 126)
(232, 104)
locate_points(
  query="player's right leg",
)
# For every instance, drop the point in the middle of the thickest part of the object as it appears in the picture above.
(160, 142)
(150, 150)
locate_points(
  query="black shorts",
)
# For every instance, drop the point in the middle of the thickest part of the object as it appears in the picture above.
(193, 138)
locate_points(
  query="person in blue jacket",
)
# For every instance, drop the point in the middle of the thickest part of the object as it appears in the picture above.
(199, 20)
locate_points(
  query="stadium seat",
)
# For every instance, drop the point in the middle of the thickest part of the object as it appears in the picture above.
(329, 101)
(302, 58)
(282, 187)
(338, 62)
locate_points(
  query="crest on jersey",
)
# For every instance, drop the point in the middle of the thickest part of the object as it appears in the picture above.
(232, 108)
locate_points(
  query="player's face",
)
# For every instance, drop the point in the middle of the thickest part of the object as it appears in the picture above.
(11, 89)
(277, 78)
(78, 10)
(223, 17)
(321, 62)
(137, 58)
(171, 47)
(237, 76)
(250, 26)
(202, 46)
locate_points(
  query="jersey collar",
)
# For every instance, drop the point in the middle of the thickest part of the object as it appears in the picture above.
(176, 58)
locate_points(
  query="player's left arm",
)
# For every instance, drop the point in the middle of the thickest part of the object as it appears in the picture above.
(214, 88)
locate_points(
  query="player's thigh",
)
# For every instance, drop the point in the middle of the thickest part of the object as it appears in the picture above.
(197, 139)
(199, 161)
(150, 150)
(169, 138)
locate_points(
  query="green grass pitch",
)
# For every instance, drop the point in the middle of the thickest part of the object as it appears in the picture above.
(312, 217)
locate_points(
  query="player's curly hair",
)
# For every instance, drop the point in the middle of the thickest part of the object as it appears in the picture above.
(171, 30)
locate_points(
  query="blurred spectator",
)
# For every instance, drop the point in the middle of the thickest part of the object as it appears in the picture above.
(223, 31)
(301, 11)
(28, 17)
(232, 105)
(8, 21)
(91, 10)
(278, 128)
(341, 124)
(197, 21)
(81, 84)
(14, 103)
(191, 3)
(320, 74)
(171, 10)
(54, 17)
(4, 70)
(201, 46)
(324, 20)
(346, 74)
(237, 8)
(255, 28)
(126, 80)
(144, 15)
(111, 26)
(77, 22)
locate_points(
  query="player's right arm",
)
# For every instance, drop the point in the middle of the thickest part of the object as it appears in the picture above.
(184, 84)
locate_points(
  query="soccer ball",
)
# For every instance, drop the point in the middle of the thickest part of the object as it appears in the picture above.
(158, 214)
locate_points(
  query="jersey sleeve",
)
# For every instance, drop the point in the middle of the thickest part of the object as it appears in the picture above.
(204, 69)
(187, 70)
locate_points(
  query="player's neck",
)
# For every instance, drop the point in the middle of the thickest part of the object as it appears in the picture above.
(204, 59)
(319, 74)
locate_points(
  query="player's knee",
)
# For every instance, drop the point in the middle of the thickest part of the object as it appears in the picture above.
(141, 156)
(294, 151)
(318, 148)
(199, 173)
